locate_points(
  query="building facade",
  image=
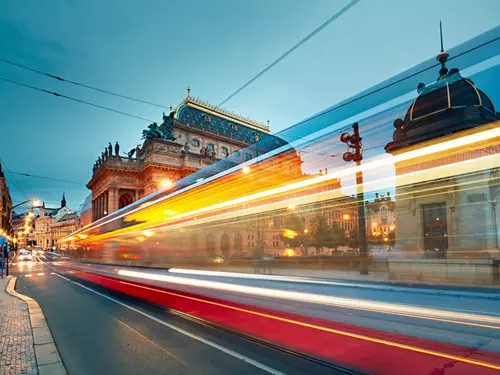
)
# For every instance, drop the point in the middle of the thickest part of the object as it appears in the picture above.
(380, 216)
(5, 204)
(52, 224)
(452, 211)
(193, 136)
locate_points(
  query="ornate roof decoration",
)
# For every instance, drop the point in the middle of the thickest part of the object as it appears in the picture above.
(224, 112)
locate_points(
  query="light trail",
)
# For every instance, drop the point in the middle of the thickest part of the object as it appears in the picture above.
(331, 330)
(408, 178)
(493, 131)
(380, 307)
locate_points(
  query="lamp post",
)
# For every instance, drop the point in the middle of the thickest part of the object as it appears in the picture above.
(260, 242)
(353, 141)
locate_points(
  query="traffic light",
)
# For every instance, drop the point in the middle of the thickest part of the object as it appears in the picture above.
(353, 141)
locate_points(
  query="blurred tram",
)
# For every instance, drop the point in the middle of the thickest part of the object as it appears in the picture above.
(435, 146)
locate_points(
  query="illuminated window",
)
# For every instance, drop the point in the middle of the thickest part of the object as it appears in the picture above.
(211, 147)
(248, 156)
(224, 150)
(195, 142)
(237, 154)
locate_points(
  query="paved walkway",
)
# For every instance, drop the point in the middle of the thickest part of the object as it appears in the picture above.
(17, 351)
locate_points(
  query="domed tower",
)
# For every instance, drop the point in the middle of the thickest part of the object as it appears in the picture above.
(445, 170)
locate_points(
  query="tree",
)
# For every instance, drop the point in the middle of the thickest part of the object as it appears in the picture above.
(338, 236)
(391, 240)
(294, 230)
(353, 240)
(321, 234)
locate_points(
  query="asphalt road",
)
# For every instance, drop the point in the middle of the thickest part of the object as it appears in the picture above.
(444, 322)
(96, 335)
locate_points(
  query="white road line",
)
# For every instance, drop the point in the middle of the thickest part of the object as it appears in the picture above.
(230, 352)
(40, 274)
(28, 275)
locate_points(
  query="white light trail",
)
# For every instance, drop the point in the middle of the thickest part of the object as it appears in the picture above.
(375, 306)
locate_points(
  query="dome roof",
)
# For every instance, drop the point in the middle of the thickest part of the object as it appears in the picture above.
(450, 104)
(451, 91)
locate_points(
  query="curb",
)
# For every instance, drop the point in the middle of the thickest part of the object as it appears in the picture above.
(47, 356)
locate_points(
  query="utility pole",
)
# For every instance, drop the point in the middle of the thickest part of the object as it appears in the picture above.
(353, 141)
(260, 242)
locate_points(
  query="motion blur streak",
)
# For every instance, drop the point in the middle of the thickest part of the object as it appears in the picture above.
(467, 140)
(386, 161)
(318, 299)
(335, 331)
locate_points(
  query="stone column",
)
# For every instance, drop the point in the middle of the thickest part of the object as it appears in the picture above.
(99, 212)
(106, 202)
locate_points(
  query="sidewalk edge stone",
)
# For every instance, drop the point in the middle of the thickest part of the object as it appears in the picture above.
(44, 357)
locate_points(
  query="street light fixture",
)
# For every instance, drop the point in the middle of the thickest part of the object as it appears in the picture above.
(35, 203)
(346, 217)
(166, 183)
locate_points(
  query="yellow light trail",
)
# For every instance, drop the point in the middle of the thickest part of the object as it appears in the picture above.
(492, 133)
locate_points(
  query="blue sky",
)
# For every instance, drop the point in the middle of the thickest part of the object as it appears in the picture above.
(154, 49)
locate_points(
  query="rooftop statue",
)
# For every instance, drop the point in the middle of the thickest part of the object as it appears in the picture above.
(164, 131)
(166, 127)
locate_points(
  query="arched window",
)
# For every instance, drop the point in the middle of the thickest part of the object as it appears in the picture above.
(224, 245)
(210, 245)
(238, 243)
(124, 200)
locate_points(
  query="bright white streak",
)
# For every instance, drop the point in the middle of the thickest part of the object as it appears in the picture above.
(312, 298)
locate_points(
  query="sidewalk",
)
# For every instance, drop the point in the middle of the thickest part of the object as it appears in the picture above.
(26, 343)
(17, 350)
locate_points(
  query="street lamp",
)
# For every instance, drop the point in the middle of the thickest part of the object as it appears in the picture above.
(346, 217)
(353, 142)
(35, 203)
(166, 183)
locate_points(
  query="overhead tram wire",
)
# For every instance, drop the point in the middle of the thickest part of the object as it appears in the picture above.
(291, 127)
(293, 48)
(48, 178)
(74, 99)
(81, 84)
(14, 181)
(389, 85)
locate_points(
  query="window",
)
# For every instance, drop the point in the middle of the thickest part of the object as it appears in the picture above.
(195, 142)
(435, 228)
(224, 150)
(237, 154)
(248, 156)
(211, 147)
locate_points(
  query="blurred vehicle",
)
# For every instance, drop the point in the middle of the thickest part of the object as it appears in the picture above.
(37, 250)
(25, 255)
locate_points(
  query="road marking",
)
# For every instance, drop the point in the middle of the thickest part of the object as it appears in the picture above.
(40, 274)
(227, 351)
(28, 275)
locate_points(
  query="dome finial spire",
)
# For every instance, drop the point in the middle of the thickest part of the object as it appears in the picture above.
(441, 35)
(443, 56)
